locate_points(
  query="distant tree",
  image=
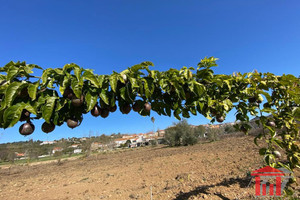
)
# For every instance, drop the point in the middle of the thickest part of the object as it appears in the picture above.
(213, 134)
(4, 154)
(180, 134)
(11, 157)
(58, 154)
(200, 131)
(153, 142)
(229, 129)
(126, 144)
(33, 149)
(86, 147)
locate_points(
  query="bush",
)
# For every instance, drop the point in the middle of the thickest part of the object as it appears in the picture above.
(200, 131)
(213, 134)
(153, 142)
(229, 129)
(181, 134)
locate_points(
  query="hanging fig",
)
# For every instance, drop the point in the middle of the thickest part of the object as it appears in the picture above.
(47, 128)
(72, 123)
(96, 111)
(26, 129)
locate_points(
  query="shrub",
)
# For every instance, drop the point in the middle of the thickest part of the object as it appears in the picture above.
(181, 134)
(229, 129)
(213, 134)
(153, 142)
(200, 131)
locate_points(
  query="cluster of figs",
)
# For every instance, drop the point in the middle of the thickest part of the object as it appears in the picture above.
(28, 127)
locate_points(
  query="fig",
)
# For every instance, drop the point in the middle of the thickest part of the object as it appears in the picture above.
(26, 129)
(72, 123)
(68, 93)
(147, 107)
(104, 112)
(267, 105)
(220, 118)
(126, 109)
(96, 111)
(252, 99)
(113, 109)
(213, 112)
(47, 128)
(243, 128)
(23, 93)
(25, 115)
(277, 154)
(77, 102)
(271, 123)
(136, 107)
(187, 95)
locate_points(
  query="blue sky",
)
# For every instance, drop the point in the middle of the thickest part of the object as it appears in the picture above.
(112, 35)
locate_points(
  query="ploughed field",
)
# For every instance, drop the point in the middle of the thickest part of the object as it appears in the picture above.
(216, 170)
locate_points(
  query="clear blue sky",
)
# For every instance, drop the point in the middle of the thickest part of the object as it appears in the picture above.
(112, 35)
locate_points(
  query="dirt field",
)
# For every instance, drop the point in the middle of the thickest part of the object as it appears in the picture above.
(216, 170)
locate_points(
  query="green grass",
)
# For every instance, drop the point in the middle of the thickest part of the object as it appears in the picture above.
(25, 161)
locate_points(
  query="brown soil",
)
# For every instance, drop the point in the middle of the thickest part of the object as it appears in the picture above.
(216, 170)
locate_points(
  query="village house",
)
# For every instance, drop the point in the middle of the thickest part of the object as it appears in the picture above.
(47, 142)
(161, 133)
(74, 146)
(120, 141)
(19, 156)
(96, 145)
(77, 151)
(57, 149)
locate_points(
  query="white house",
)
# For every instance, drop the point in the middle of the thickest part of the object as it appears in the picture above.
(55, 149)
(77, 150)
(47, 142)
(121, 141)
(74, 146)
(140, 139)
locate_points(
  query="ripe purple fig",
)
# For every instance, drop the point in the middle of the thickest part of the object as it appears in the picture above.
(25, 115)
(252, 99)
(271, 123)
(23, 93)
(96, 111)
(26, 129)
(113, 109)
(47, 128)
(77, 102)
(243, 128)
(220, 118)
(68, 93)
(126, 109)
(72, 123)
(104, 113)
(136, 107)
(147, 107)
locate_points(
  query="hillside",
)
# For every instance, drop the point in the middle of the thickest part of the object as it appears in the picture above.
(216, 170)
